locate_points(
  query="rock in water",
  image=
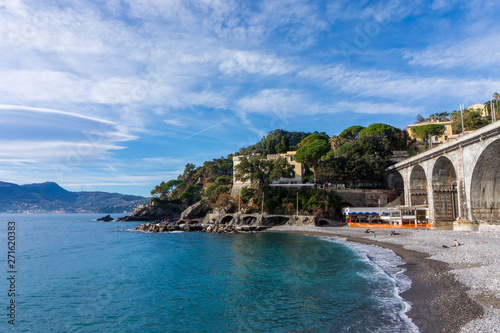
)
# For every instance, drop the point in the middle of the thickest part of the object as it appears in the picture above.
(151, 213)
(106, 218)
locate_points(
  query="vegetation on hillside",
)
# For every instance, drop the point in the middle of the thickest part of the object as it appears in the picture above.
(277, 141)
(423, 132)
(357, 156)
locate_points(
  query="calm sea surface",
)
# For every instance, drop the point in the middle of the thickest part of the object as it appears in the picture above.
(78, 275)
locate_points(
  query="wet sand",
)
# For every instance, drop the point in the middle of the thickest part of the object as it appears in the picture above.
(439, 303)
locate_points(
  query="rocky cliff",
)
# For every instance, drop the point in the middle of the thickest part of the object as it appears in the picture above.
(153, 213)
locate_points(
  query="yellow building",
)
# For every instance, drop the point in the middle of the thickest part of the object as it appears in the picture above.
(298, 175)
(436, 139)
(481, 108)
(298, 170)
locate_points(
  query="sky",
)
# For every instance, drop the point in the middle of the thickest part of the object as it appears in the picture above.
(119, 95)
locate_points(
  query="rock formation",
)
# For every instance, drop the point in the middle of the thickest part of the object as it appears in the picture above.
(106, 218)
(151, 213)
(198, 210)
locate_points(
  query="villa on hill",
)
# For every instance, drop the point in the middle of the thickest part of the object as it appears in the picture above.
(296, 181)
(436, 139)
(485, 112)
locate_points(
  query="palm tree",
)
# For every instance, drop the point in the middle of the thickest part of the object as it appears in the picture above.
(495, 96)
(335, 142)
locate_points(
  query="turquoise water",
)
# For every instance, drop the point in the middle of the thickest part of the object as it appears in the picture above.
(78, 275)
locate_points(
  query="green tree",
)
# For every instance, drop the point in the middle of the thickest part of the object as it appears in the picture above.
(312, 152)
(473, 120)
(272, 140)
(397, 139)
(335, 143)
(165, 189)
(283, 146)
(439, 116)
(423, 131)
(311, 138)
(262, 170)
(379, 129)
(280, 168)
(363, 160)
(350, 134)
(497, 111)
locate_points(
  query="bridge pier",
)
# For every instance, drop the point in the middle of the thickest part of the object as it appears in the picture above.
(459, 181)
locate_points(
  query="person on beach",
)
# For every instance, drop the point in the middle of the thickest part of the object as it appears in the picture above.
(374, 235)
(456, 243)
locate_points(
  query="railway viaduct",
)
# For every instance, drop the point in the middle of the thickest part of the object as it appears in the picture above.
(459, 181)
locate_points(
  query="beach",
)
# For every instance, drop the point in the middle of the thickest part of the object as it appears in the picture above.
(454, 288)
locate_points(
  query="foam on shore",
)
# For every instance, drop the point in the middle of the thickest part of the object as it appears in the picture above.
(474, 266)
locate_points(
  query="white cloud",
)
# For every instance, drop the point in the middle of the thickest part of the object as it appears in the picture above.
(175, 122)
(278, 102)
(236, 62)
(475, 52)
(44, 135)
(397, 87)
(378, 108)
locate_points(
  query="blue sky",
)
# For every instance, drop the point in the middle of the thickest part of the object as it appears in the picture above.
(119, 95)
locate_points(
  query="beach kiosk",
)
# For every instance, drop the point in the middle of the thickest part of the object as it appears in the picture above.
(365, 217)
(387, 217)
(409, 216)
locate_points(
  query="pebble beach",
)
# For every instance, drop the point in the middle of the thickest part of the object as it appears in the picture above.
(454, 288)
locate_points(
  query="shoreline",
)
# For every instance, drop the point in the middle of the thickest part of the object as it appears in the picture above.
(439, 302)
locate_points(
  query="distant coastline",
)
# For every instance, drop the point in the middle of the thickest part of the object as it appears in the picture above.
(49, 197)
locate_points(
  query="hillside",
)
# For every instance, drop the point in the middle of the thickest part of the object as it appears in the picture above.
(50, 197)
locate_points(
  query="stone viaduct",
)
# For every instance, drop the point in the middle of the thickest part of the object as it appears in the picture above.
(458, 181)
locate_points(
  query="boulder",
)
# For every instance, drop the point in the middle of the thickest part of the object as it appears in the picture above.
(150, 213)
(106, 218)
(198, 210)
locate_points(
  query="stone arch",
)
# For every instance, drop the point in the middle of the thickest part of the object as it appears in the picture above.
(322, 222)
(444, 188)
(345, 204)
(276, 220)
(249, 220)
(226, 219)
(485, 184)
(418, 186)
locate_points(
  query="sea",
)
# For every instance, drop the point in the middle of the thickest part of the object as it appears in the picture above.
(74, 274)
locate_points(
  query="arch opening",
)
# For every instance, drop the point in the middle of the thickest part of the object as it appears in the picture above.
(226, 219)
(444, 188)
(485, 185)
(322, 222)
(276, 220)
(249, 220)
(418, 186)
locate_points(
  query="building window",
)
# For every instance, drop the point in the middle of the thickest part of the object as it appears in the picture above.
(436, 138)
(446, 138)
(292, 159)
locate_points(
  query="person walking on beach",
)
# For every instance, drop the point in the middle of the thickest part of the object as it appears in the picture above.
(374, 235)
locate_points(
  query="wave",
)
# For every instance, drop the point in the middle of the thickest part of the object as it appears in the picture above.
(389, 274)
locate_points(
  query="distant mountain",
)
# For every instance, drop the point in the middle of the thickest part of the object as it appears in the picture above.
(50, 197)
